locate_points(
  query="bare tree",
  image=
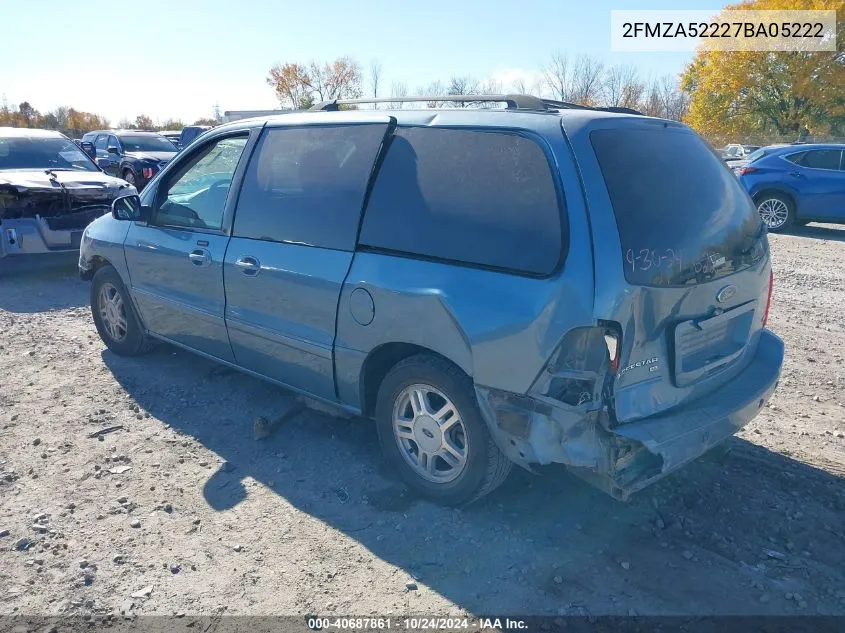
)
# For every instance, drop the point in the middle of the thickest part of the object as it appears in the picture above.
(664, 98)
(336, 80)
(675, 102)
(632, 94)
(463, 86)
(520, 86)
(490, 87)
(375, 78)
(399, 89)
(433, 89)
(587, 74)
(618, 83)
(557, 77)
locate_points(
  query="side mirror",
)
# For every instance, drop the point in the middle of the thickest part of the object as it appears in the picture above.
(88, 148)
(102, 163)
(127, 208)
(113, 150)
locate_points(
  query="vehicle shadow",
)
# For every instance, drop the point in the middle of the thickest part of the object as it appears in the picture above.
(29, 291)
(819, 231)
(710, 539)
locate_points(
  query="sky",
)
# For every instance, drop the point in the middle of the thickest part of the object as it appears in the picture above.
(178, 58)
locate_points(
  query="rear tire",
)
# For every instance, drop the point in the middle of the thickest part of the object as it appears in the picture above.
(431, 432)
(776, 210)
(114, 315)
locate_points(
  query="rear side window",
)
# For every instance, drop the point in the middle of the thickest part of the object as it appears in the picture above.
(820, 159)
(469, 196)
(683, 218)
(306, 185)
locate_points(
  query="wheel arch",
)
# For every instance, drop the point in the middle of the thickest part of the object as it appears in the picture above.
(782, 191)
(95, 263)
(381, 360)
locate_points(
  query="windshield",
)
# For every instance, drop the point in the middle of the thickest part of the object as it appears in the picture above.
(757, 154)
(146, 144)
(43, 153)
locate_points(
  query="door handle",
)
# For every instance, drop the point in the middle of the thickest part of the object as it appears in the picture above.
(248, 265)
(199, 257)
(795, 174)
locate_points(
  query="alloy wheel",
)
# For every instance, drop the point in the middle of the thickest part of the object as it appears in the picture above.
(430, 433)
(112, 312)
(774, 212)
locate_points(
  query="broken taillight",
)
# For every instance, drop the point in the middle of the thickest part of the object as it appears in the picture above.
(768, 298)
(576, 371)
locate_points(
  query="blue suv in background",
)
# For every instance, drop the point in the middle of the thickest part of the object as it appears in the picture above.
(543, 283)
(796, 184)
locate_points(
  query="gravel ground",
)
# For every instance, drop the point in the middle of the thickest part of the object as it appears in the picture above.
(182, 510)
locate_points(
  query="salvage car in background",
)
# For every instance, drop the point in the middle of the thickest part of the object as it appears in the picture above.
(796, 184)
(757, 153)
(421, 268)
(172, 136)
(189, 133)
(49, 191)
(133, 155)
(735, 151)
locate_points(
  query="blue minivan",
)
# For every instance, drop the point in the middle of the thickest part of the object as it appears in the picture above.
(540, 283)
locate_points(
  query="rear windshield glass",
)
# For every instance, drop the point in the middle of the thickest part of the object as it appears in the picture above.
(683, 218)
(147, 144)
(43, 153)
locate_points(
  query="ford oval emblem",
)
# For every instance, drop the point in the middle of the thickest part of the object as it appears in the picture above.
(726, 294)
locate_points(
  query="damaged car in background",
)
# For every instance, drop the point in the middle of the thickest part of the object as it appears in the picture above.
(49, 191)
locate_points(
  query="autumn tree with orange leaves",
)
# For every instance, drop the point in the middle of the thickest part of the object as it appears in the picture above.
(751, 94)
(300, 86)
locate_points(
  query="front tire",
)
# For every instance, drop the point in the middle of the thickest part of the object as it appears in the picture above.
(432, 433)
(776, 210)
(114, 314)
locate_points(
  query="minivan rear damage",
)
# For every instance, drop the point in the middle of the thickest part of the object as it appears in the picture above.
(624, 458)
(679, 359)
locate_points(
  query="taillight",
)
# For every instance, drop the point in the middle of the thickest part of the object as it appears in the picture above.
(768, 298)
(147, 172)
(611, 339)
(575, 373)
(745, 170)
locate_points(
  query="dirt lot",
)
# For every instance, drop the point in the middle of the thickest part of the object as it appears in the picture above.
(182, 510)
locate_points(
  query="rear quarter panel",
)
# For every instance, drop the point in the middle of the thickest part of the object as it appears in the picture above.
(637, 308)
(773, 176)
(499, 328)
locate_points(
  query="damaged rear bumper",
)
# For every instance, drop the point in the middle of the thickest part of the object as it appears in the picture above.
(628, 457)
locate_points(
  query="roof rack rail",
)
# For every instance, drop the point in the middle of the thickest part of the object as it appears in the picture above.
(512, 101)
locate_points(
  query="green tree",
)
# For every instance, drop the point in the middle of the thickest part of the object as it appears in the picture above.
(742, 94)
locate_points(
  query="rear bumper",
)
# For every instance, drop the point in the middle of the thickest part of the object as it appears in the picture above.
(626, 458)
